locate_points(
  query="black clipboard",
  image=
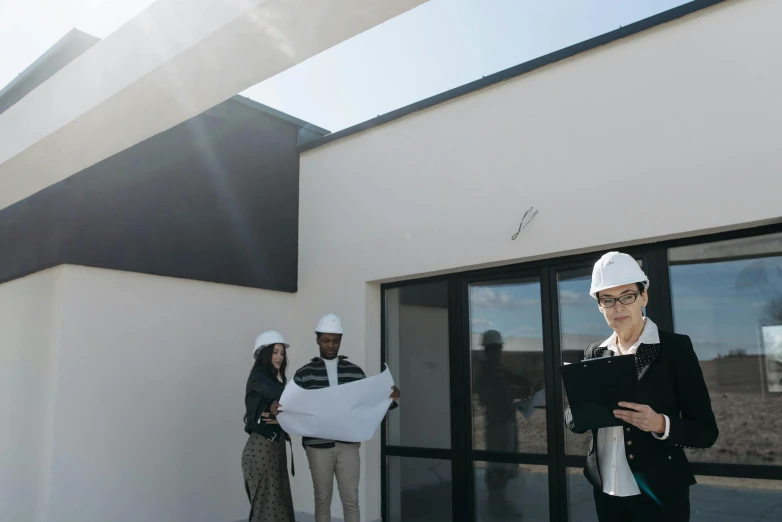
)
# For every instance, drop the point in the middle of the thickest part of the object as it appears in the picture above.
(594, 388)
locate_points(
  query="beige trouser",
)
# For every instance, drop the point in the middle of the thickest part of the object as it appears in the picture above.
(343, 461)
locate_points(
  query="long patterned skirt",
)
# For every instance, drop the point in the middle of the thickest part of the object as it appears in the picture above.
(265, 467)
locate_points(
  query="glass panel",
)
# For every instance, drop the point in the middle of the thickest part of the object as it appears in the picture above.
(580, 496)
(722, 499)
(758, 246)
(419, 490)
(727, 297)
(507, 366)
(417, 353)
(580, 321)
(580, 325)
(511, 492)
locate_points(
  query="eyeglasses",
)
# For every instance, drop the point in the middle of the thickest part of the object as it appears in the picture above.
(609, 302)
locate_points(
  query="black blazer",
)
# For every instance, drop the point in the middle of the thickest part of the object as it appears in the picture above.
(671, 382)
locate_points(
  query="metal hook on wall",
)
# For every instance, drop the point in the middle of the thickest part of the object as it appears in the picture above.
(525, 221)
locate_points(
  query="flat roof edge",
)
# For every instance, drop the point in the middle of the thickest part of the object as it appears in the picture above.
(518, 70)
(67, 39)
(249, 102)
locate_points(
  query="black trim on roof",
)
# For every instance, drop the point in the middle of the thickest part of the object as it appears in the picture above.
(518, 70)
(279, 114)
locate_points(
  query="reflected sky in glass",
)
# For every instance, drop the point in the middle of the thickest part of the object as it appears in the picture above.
(723, 305)
(514, 309)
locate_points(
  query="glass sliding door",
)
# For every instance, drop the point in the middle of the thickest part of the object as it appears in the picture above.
(580, 324)
(508, 404)
(480, 435)
(419, 490)
(727, 296)
(417, 438)
(417, 352)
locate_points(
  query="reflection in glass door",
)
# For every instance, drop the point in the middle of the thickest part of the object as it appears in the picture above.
(508, 407)
(727, 296)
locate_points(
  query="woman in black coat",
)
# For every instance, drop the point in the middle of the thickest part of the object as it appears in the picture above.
(264, 460)
(639, 469)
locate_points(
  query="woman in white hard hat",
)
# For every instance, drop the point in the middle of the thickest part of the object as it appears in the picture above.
(639, 469)
(264, 460)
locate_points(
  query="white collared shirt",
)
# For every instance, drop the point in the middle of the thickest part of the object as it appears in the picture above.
(615, 471)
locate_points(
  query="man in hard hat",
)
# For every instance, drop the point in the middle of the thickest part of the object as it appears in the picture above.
(329, 458)
(638, 468)
(497, 389)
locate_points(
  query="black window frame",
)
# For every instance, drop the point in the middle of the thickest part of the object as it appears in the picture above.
(461, 454)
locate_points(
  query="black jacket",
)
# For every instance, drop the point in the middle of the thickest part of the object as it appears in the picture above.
(261, 391)
(672, 384)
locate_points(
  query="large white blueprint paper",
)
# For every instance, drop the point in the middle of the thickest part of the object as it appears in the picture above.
(349, 412)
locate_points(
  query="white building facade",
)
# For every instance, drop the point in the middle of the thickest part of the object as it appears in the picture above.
(663, 144)
(123, 386)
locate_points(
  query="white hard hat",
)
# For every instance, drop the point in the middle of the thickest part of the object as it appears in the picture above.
(616, 269)
(269, 337)
(491, 337)
(329, 323)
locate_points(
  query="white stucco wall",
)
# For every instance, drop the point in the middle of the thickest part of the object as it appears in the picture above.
(139, 383)
(672, 132)
(29, 331)
(138, 380)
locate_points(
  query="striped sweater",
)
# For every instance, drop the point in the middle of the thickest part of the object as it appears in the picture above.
(313, 376)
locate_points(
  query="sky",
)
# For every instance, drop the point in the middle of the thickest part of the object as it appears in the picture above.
(31, 27)
(436, 47)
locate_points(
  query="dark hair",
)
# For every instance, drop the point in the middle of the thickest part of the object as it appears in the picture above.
(263, 361)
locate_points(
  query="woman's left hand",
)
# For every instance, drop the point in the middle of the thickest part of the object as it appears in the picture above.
(641, 416)
(395, 393)
(275, 408)
(267, 418)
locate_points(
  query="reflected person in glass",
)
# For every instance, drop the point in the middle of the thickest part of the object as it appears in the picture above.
(498, 388)
(638, 468)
